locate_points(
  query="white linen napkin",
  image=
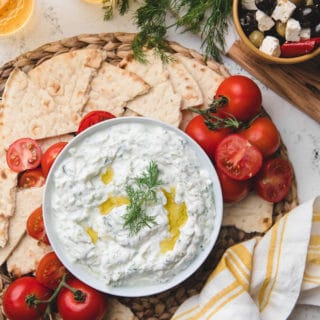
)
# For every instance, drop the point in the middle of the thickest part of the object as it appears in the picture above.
(264, 278)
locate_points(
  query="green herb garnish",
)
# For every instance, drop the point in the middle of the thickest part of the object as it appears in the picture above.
(141, 195)
(209, 18)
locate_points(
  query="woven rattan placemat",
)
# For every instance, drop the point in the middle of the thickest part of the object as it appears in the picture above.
(117, 46)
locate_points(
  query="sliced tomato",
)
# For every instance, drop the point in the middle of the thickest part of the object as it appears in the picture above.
(50, 155)
(233, 190)
(35, 226)
(238, 158)
(24, 154)
(94, 117)
(31, 178)
(274, 180)
(50, 270)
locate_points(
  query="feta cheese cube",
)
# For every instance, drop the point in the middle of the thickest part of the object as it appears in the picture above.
(271, 45)
(249, 4)
(283, 10)
(305, 33)
(265, 22)
(293, 29)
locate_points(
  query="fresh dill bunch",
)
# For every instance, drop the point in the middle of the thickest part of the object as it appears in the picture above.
(142, 194)
(108, 6)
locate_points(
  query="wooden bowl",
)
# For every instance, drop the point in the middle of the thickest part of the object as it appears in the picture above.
(265, 57)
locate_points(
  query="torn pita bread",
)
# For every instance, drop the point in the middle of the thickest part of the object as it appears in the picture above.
(184, 84)
(27, 200)
(112, 88)
(253, 214)
(130, 113)
(159, 103)
(118, 311)
(207, 79)
(48, 142)
(26, 256)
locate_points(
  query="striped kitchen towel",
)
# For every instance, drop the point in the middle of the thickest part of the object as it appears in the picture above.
(264, 278)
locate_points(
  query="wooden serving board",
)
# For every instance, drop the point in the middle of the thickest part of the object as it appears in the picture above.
(298, 83)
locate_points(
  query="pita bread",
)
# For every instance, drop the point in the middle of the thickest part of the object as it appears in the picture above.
(159, 103)
(112, 88)
(118, 311)
(207, 79)
(130, 113)
(27, 200)
(184, 84)
(26, 256)
(253, 214)
(48, 142)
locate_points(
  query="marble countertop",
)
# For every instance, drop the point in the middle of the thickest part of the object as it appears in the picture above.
(56, 19)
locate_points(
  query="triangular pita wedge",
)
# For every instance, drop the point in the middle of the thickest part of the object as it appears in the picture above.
(184, 84)
(207, 79)
(48, 142)
(159, 103)
(26, 256)
(118, 311)
(253, 214)
(27, 200)
(112, 88)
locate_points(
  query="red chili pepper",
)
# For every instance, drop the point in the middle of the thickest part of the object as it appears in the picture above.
(299, 48)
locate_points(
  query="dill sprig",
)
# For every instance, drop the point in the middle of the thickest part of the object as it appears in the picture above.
(109, 5)
(141, 195)
(209, 18)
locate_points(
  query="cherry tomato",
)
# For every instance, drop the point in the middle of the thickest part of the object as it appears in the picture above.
(35, 226)
(71, 307)
(238, 158)
(274, 180)
(206, 138)
(17, 295)
(24, 154)
(243, 97)
(264, 135)
(50, 155)
(233, 190)
(31, 178)
(94, 117)
(50, 270)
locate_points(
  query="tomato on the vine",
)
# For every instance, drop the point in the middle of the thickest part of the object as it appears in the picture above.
(274, 180)
(24, 154)
(19, 297)
(233, 190)
(208, 139)
(238, 158)
(50, 156)
(35, 226)
(263, 134)
(31, 178)
(90, 305)
(92, 118)
(50, 270)
(243, 97)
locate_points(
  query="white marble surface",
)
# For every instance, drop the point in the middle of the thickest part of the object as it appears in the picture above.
(56, 19)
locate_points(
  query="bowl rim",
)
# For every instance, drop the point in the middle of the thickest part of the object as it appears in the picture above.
(132, 291)
(264, 56)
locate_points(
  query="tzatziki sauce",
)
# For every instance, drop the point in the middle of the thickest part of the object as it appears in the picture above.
(90, 201)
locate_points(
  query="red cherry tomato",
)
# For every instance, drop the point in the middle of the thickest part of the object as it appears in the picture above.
(233, 190)
(206, 138)
(94, 117)
(92, 307)
(15, 305)
(35, 226)
(24, 154)
(50, 270)
(31, 178)
(243, 97)
(50, 155)
(238, 158)
(263, 134)
(274, 180)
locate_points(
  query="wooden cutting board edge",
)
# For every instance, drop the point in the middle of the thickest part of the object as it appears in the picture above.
(299, 83)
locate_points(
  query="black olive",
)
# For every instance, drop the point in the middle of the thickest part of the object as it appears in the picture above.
(307, 16)
(248, 21)
(273, 32)
(315, 31)
(267, 6)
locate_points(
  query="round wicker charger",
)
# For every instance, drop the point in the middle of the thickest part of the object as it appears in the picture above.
(117, 46)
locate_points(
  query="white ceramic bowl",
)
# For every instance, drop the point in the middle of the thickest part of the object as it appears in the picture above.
(90, 279)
